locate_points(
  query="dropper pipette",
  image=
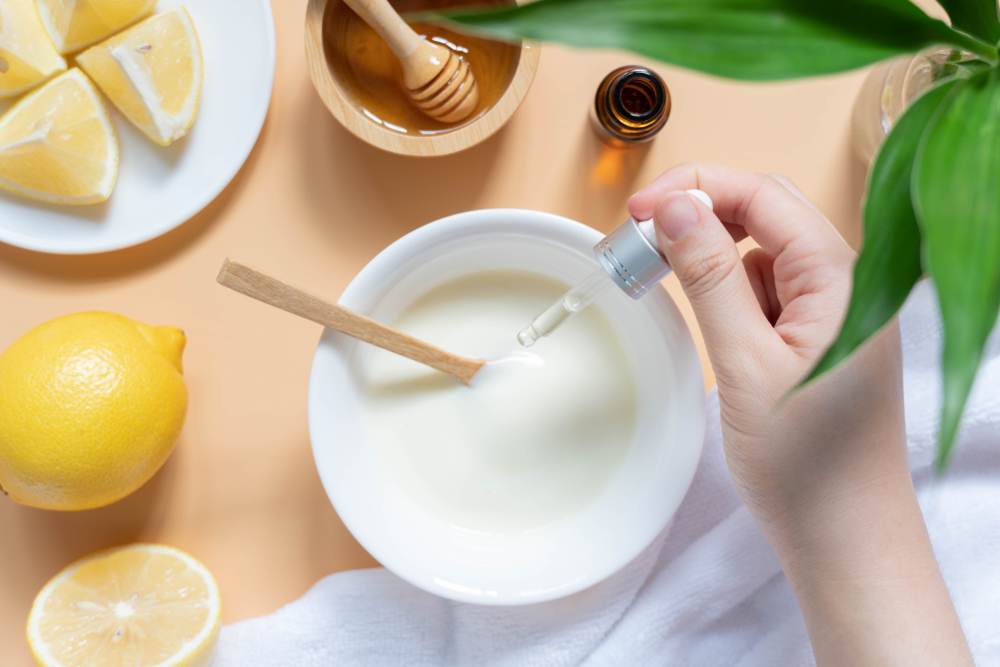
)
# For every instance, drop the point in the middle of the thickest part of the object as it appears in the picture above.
(630, 257)
(568, 305)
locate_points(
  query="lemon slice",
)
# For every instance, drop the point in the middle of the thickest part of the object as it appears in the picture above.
(27, 56)
(152, 73)
(134, 606)
(58, 145)
(75, 24)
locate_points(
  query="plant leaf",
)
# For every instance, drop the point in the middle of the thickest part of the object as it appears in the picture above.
(956, 188)
(955, 65)
(889, 265)
(977, 17)
(742, 39)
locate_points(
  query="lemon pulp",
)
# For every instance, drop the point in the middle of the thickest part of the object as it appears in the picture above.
(152, 73)
(58, 144)
(75, 24)
(138, 605)
(27, 55)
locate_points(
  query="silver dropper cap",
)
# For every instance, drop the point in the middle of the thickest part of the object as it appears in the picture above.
(631, 255)
(631, 260)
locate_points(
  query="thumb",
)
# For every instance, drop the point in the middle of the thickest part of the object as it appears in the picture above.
(711, 272)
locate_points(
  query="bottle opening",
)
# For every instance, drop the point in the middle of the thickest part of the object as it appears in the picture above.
(639, 95)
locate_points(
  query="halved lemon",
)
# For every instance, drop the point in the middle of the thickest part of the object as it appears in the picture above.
(75, 24)
(27, 55)
(152, 73)
(58, 145)
(134, 606)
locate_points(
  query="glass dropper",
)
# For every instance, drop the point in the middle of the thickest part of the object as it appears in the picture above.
(568, 305)
(630, 258)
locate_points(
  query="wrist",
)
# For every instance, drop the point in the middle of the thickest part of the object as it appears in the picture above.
(861, 565)
(840, 515)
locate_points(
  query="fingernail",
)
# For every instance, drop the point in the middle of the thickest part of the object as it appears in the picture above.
(676, 214)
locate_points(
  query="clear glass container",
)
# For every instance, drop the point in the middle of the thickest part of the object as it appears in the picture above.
(892, 85)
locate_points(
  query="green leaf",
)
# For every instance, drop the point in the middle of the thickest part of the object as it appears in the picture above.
(973, 66)
(955, 65)
(889, 265)
(742, 39)
(956, 188)
(977, 17)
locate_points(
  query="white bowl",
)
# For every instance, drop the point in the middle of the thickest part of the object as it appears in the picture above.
(557, 559)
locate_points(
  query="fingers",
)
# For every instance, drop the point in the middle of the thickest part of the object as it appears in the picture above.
(738, 232)
(794, 189)
(759, 266)
(706, 261)
(770, 212)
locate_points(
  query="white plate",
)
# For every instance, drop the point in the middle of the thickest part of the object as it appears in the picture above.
(159, 187)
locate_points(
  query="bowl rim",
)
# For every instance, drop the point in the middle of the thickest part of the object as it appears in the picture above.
(384, 269)
(371, 133)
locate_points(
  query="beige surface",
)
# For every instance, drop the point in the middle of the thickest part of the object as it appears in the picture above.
(314, 204)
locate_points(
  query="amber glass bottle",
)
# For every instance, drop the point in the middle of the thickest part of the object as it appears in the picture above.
(632, 104)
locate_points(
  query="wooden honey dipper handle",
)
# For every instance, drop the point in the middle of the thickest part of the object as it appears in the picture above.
(275, 292)
(390, 26)
(439, 82)
(421, 60)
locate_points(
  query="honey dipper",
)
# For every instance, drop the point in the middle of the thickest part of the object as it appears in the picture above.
(439, 82)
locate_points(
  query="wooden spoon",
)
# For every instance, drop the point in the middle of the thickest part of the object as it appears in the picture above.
(437, 80)
(278, 293)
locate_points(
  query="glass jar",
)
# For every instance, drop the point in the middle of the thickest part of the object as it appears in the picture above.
(892, 85)
(632, 104)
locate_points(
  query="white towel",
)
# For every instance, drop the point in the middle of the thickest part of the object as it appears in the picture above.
(709, 590)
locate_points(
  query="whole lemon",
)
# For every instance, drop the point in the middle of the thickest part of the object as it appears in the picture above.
(90, 407)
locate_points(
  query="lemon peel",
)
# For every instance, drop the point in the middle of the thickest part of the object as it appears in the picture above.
(93, 404)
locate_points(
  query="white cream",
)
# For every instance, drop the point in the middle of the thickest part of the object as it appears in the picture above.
(535, 438)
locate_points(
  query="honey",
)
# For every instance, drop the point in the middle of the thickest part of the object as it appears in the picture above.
(372, 78)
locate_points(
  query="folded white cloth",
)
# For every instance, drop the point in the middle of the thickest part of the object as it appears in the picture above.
(708, 591)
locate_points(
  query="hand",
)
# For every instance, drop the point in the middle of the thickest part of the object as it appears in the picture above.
(766, 320)
(824, 473)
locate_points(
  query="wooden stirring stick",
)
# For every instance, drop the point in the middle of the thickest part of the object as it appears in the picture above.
(278, 293)
(436, 79)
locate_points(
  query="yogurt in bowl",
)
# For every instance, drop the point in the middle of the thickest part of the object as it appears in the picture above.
(557, 466)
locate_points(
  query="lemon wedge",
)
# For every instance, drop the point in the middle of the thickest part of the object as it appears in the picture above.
(152, 73)
(75, 24)
(58, 145)
(136, 606)
(27, 55)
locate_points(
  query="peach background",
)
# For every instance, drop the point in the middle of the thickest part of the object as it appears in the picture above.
(314, 204)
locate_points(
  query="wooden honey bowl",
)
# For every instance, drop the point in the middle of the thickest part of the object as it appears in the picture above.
(359, 79)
